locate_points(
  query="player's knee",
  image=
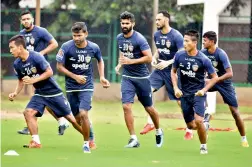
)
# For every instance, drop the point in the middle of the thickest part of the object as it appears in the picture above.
(150, 109)
(126, 108)
(192, 126)
(28, 113)
(83, 115)
(235, 113)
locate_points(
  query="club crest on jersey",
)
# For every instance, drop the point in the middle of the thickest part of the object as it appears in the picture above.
(34, 70)
(131, 47)
(32, 40)
(87, 59)
(60, 53)
(215, 63)
(168, 44)
(195, 67)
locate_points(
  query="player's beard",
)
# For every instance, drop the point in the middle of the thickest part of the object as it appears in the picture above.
(161, 27)
(28, 27)
(78, 42)
(127, 30)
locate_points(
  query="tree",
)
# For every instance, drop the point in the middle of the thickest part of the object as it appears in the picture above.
(5, 4)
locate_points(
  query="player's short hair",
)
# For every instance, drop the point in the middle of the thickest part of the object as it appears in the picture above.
(78, 26)
(19, 40)
(127, 15)
(211, 35)
(25, 12)
(193, 33)
(165, 13)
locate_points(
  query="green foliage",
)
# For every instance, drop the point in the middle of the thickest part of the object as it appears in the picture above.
(61, 81)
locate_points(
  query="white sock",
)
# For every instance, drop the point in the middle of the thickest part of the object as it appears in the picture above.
(62, 121)
(189, 130)
(133, 137)
(203, 145)
(243, 138)
(149, 120)
(36, 138)
(159, 131)
(86, 143)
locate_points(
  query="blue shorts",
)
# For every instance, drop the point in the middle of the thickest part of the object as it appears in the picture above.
(193, 104)
(227, 92)
(80, 101)
(58, 104)
(140, 87)
(160, 78)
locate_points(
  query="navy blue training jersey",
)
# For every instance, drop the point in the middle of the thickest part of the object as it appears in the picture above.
(192, 71)
(168, 44)
(79, 61)
(37, 39)
(132, 48)
(220, 61)
(33, 67)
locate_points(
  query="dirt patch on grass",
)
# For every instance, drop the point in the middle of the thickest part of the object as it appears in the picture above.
(11, 115)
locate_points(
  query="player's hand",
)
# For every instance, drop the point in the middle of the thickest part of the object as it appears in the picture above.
(117, 69)
(178, 92)
(163, 64)
(28, 80)
(200, 93)
(80, 79)
(154, 62)
(12, 96)
(125, 60)
(105, 83)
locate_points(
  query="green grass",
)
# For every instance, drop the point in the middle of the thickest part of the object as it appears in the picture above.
(111, 136)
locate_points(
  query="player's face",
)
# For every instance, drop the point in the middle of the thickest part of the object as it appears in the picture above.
(27, 21)
(126, 25)
(160, 21)
(14, 49)
(79, 37)
(189, 44)
(207, 43)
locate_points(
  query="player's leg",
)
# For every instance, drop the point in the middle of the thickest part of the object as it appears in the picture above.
(229, 97)
(85, 99)
(128, 92)
(61, 108)
(35, 108)
(157, 82)
(144, 94)
(62, 122)
(199, 105)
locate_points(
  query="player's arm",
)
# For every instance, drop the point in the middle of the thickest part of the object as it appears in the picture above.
(118, 66)
(105, 83)
(178, 93)
(78, 78)
(18, 89)
(53, 44)
(45, 75)
(214, 78)
(226, 64)
(147, 58)
(211, 82)
(174, 77)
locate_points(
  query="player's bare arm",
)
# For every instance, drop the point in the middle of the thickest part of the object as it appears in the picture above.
(209, 84)
(227, 75)
(174, 77)
(117, 68)
(47, 74)
(105, 83)
(147, 58)
(18, 89)
(78, 78)
(53, 44)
